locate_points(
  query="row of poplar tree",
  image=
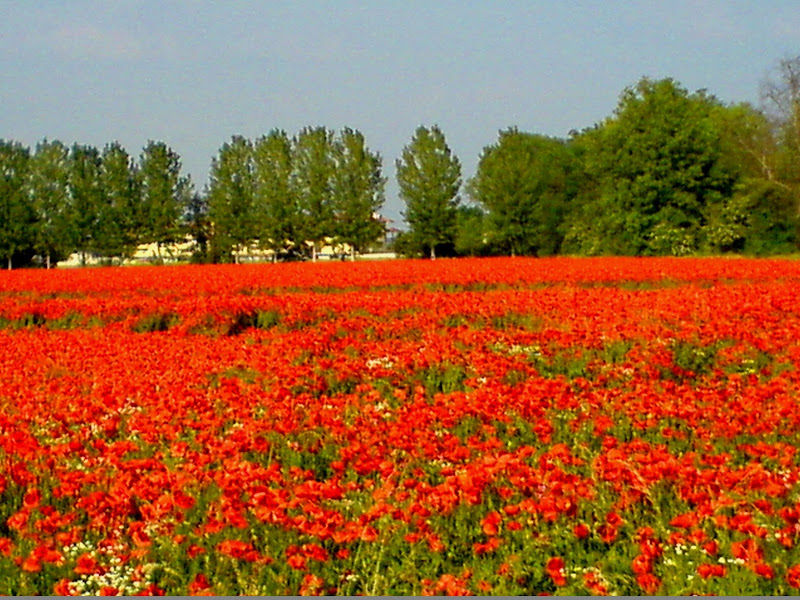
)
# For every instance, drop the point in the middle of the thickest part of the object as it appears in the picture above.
(288, 195)
(58, 200)
(668, 173)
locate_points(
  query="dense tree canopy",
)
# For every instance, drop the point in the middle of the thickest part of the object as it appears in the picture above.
(16, 211)
(86, 197)
(59, 200)
(658, 164)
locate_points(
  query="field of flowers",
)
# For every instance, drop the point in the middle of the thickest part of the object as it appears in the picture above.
(493, 426)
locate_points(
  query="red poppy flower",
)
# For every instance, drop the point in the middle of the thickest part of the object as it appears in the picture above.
(86, 565)
(649, 583)
(706, 570)
(793, 576)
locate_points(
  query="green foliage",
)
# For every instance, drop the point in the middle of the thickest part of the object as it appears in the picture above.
(516, 320)
(357, 191)
(156, 321)
(524, 182)
(16, 211)
(313, 168)
(230, 198)
(408, 246)
(86, 195)
(429, 176)
(760, 219)
(669, 173)
(471, 232)
(165, 195)
(565, 364)
(748, 142)
(657, 161)
(238, 323)
(116, 230)
(275, 206)
(267, 319)
(442, 379)
(48, 188)
(198, 226)
(692, 359)
(80, 199)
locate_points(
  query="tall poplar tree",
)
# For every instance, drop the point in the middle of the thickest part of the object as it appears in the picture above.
(230, 198)
(357, 191)
(48, 188)
(117, 233)
(429, 177)
(86, 196)
(165, 195)
(275, 207)
(313, 166)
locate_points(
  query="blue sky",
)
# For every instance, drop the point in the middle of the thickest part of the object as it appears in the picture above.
(193, 73)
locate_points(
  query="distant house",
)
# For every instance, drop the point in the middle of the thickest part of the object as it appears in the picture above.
(165, 252)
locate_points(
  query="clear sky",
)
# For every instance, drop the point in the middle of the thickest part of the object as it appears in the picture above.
(193, 73)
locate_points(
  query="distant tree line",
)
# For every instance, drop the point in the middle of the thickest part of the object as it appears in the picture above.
(293, 195)
(58, 200)
(668, 173)
(286, 195)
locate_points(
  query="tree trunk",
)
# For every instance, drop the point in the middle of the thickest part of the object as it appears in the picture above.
(47, 261)
(9, 263)
(353, 253)
(314, 252)
(433, 252)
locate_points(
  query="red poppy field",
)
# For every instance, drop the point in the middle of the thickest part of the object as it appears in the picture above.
(492, 426)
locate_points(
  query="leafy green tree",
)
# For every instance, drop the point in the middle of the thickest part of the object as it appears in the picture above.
(86, 196)
(749, 146)
(197, 225)
(116, 233)
(230, 198)
(429, 177)
(17, 215)
(313, 166)
(471, 231)
(760, 219)
(165, 195)
(658, 163)
(276, 211)
(48, 188)
(357, 192)
(523, 181)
